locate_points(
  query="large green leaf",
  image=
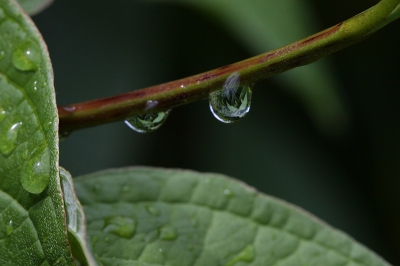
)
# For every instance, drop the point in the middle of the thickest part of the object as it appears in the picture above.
(32, 226)
(263, 25)
(145, 216)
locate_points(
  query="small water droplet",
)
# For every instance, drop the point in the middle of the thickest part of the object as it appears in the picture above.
(106, 239)
(160, 250)
(228, 193)
(8, 137)
(167, 232)
(9, 228)
(247, 255)
(3, 114)
(2, 54)
(121, 226)
(147, 122)
(26, 56)
(35, 176)
(232, 102)
(152, 210)
(35, 85)
(47, 126)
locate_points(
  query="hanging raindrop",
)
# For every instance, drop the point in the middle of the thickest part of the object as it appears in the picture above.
(232, 102)
(147, 122)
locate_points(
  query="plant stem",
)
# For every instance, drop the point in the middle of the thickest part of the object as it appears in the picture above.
(197, 87)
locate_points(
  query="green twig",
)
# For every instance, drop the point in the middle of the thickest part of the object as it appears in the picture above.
(194, 88)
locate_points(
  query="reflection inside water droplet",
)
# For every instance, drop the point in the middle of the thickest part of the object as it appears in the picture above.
(8, 137)
(36, 173)
(167, 232)
(232, 102)
(121, 226)
(26, 56)
(147, 122)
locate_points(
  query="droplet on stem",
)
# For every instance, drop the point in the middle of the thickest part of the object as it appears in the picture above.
(232, 102)
(147, 122)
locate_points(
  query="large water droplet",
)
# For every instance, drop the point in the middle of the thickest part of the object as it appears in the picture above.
(121, 226)
(147, 122)
(8, 137)
(35, 176)
(167, 232)
(232, 102)
(247, 255)
(26, 56)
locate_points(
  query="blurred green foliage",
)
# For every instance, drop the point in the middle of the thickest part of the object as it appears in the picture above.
(99, 48)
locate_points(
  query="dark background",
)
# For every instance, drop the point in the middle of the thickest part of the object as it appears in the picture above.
(102, 48)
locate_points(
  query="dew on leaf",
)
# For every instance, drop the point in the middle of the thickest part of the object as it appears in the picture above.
(2, 55)
(26, 56)
(167, 232)
(147, 122)
(121, 226)
(228, 193)
(35, 176)
(9, 228)
(247, 255)
(8, 137)
(152, 210)
(232, 102)
(3, 114)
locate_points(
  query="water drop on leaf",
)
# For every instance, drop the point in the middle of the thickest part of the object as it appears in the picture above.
(167, 232)
(228, 193)
(147, 122)
(232, 102)
(35, 176)
(3, 114)
(121, 226)
(9, 228)
(152, 210)
(2, 54)
(247, 254)
(26, 56)
(8, 137)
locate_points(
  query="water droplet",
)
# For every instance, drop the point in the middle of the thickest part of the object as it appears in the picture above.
(150, 105)
(207, 180)
(106, 239)
(47, 126)
(228, 193)
(2, 54)
(152, 210)
(3, 114)
(147, 122)
(232, 102)
(8, 138)
(26, 56)
(121, 226)
(167, 232)
(35, 85)
(160, 250)
(247, 255)
(9, 228)
(35, 176)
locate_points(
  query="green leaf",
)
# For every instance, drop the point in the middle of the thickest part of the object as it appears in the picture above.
(32, 226)
(176, 217)
(265, 25)
(33, 7)
(75, 221)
